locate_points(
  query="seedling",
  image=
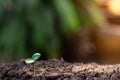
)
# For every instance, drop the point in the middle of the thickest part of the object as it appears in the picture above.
(33, 59)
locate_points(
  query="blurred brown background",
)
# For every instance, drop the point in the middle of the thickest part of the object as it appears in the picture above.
(77, 30)
(97, 42)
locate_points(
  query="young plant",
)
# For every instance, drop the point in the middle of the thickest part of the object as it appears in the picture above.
(33, 59)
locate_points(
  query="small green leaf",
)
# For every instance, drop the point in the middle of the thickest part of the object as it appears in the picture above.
(29, 60)
(36, 56)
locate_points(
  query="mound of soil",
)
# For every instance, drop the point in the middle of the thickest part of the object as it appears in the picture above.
(55, 69)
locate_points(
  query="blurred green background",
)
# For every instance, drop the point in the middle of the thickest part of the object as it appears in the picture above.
(29, 26)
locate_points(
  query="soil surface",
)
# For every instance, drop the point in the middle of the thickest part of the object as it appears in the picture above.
(55, 69)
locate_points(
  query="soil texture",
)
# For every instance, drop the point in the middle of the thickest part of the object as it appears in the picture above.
(58, 69)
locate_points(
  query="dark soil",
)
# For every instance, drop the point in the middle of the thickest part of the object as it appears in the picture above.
(59, 70)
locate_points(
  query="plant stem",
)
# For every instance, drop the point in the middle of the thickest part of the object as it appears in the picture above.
(35, 68)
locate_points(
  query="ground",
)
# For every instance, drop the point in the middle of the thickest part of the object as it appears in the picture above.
(58, 69)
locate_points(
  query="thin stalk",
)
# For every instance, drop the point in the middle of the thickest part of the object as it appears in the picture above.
(35, 68)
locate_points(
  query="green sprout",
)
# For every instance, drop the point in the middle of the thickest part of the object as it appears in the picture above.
(35, 57)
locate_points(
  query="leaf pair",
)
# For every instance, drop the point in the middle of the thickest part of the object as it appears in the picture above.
(33, 58)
